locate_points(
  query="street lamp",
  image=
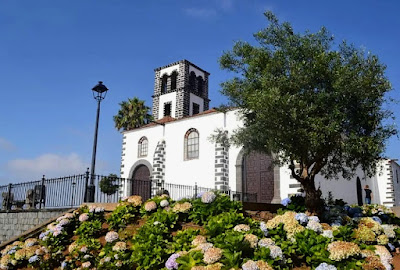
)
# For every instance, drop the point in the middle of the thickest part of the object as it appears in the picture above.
(99, 93)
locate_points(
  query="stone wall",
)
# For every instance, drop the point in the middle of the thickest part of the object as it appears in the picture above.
(14, 223)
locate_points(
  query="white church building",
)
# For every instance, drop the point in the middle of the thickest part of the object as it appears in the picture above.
(176, 148)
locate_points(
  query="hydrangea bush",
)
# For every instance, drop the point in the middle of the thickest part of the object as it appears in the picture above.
(210, 232)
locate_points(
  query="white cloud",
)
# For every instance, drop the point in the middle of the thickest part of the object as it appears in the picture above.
(51, 165)
(6, 145)
(202, 13)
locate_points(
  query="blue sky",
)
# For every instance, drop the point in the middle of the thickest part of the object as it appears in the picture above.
(53, 52)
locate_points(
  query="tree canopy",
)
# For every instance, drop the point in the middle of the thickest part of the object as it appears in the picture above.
(107, 184)
(309, 101)
(132, 114)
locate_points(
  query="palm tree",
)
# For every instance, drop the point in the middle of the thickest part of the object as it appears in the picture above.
(132, 114)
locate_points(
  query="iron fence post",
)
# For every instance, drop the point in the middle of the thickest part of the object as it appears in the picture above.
(195, 189)
(8, 206)
(41, 193)
(86, 185)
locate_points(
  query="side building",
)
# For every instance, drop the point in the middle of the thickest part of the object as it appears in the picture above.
(177, 149)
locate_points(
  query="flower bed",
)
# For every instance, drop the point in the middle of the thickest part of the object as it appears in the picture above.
(210, 232)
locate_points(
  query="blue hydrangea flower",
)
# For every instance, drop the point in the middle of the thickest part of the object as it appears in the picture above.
(377, 219)
(391, 246)
(263, 227)
(171, 262)
(43, 234)
(315, 218)
(346, 207)
(34, 258)
(325, 266)
(301, 218)
(200, 194)
(286, 201)
(63, 264)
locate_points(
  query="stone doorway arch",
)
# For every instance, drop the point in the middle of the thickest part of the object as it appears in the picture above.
(140, 180)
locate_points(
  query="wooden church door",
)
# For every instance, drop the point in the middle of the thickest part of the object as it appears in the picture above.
(259, 176)
(141, 184)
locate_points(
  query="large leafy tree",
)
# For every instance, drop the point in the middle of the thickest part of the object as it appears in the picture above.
(132, 114)
(315, 104)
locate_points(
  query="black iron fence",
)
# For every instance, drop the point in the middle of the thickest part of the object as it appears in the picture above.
(70, 191)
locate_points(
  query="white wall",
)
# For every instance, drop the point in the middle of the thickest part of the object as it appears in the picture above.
(196, 71)
(198, 100)
(170, 97)
(188, 172)
(169, 70)
(286, 181)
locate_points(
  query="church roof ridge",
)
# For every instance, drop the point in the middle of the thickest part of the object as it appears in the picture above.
(182, 61)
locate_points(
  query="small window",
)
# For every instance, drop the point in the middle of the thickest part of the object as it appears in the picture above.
(174, 77)
(164, 82)
(191, 144)
(167, 109)
(196, 108)
(199, 86)
(192, 81)
(142, 147)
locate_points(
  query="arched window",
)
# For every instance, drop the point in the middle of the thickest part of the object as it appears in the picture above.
(174, 77)
(192, 81)
(191, 144)
(164, 81)
(143, 147)
(200, 86)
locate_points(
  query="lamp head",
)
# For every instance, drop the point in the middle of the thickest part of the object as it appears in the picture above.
(99, 91)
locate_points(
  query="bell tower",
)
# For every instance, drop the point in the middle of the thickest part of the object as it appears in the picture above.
(180, 89)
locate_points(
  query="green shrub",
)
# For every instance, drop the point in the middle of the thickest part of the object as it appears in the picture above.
(217, 225)
(89, 229)
(149, 249)
(182, 241)
(203, 211)
(123, 215)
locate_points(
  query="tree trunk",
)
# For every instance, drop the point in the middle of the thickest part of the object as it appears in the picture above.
(314, 202)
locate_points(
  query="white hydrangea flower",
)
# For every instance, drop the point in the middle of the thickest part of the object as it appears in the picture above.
(250, 265)
(266, 242)
(276, 252)
(327, 233)
(315, 218)
(241, 228)
(314, 225)
(111, 236)
(325, 266)
(208, 197)
(164, 203)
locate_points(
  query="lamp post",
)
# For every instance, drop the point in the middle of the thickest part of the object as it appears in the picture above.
(72, 194)
(99, 93)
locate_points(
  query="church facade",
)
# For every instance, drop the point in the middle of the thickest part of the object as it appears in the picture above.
(178, 148)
